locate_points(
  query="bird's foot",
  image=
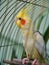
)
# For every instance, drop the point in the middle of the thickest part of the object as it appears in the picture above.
(33, 62)
(25, 60)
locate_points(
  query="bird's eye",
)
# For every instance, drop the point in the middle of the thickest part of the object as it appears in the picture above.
(20, 19)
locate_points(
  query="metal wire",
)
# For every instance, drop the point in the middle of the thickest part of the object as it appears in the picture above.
(34, 4)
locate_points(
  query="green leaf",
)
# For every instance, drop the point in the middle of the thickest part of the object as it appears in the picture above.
(46, 35)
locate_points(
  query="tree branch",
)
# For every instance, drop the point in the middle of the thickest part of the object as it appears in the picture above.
(19, 61)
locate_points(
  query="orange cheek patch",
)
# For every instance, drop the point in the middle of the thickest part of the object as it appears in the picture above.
(23, 22)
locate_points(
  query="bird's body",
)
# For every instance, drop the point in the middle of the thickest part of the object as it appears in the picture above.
(34, 44)
(32, 41)
(28, 40)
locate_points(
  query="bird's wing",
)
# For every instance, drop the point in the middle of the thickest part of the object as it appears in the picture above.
(40, 44)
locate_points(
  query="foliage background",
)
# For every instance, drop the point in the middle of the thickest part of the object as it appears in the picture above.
(10, 35)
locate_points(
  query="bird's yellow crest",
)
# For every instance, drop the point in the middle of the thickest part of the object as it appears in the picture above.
(23, 14)
(23, 18)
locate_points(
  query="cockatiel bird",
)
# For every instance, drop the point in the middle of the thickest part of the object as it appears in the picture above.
(32, 41)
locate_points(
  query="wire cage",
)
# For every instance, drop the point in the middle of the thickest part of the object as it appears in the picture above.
(11, 36)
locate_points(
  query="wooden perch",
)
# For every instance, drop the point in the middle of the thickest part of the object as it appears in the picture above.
(11, 62)
(19, 62)
(15, 62)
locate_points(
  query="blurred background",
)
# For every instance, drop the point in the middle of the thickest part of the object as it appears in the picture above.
(10, 35)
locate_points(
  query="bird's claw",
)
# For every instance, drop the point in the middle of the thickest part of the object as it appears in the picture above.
(33, 62)
(25, 60)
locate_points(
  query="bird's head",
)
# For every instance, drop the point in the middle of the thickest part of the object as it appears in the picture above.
(22, 19)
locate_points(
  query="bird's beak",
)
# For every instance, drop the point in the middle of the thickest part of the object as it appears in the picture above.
(18, 23)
